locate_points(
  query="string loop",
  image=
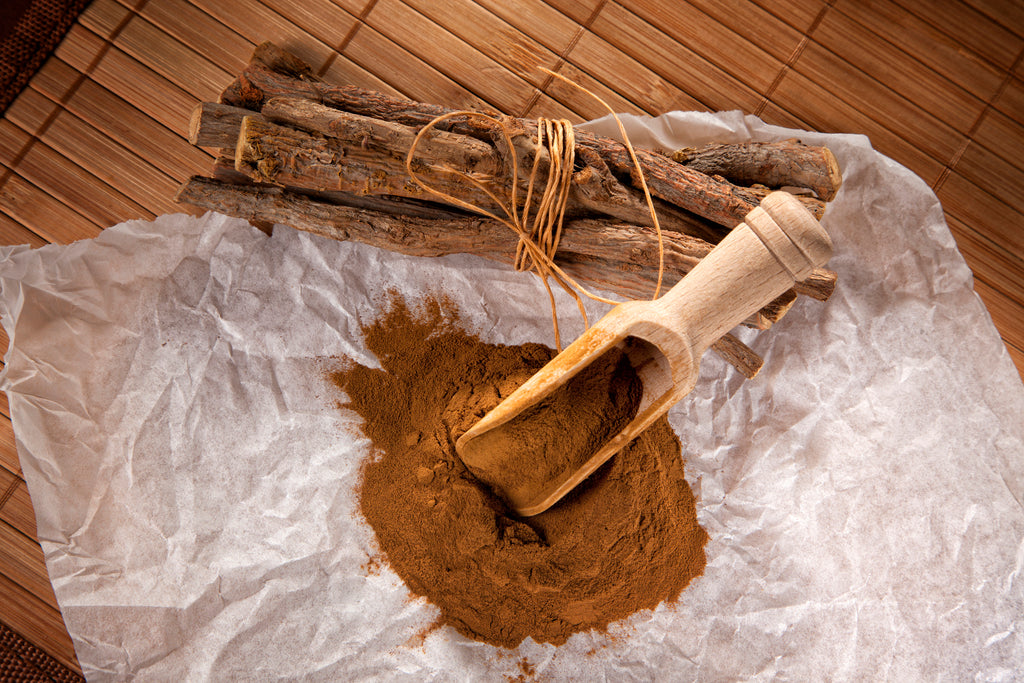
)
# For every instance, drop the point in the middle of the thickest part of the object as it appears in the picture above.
(538, 241)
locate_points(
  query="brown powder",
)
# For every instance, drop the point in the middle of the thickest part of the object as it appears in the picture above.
(559, 434)
(624, 540)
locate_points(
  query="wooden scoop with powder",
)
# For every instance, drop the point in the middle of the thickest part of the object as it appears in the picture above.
(637, 361)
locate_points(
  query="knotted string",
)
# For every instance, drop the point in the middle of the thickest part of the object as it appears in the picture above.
(538, 242)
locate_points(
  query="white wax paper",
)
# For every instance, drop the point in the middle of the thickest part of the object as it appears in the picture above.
(194, 480)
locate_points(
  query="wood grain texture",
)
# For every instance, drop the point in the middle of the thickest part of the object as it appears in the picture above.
(36, 621)
(1001, 135)
(17, 510)
(829, 112)
(738, 55)
(21, 560)
(961, 64)
(95, 152)
(886, 107)
(252, 18)
(580, 11)
(651, 93)
(749, 22)
(887, 64)
(800, 14)
(405, 72)
(100, 136)
(502, 89)
(50, 219)
(64, 180)
(685, 69)
(982, 26)
(165, 148)
(129, 79)
(1011, 100)
(13, 232)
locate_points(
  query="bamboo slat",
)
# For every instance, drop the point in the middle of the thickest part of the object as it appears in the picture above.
(503, 44)
(166, 149)
(13, 232)
(948, 56)
(865, 51)
(344, 70)
(38, 622)
(109, 161)
(750, 22)
(128, 79)
(202, 33)
(800, 14)
(13, 142)
(887, 108)
(79, 48)
(516, 52)
(559, 34)
(774, 114)
(595, 55)
(59, 177)
(354, 7)
(325, 20)
(986, 169)
(112, 164)
(544, 105)
(407, 73)
(501, 88)
(1011, 100)
(825, 111)
(991, 262)
(252, 20)
(1006, 313)
(542, 22)
(585, 106)
(21, 560)
(30, 112)
(708, 83)
(8, 482)
(580, 11)
(172, 59)
(974, 205)
(1006, 12)
(103, 17)
(989, 34)
(50, 219)
(17, 510)
(1002, 136)
(736, 54)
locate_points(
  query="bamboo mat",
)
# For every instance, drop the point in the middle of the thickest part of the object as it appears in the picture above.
(98, 137)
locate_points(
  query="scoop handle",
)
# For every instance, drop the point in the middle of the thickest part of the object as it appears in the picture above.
(779, 243)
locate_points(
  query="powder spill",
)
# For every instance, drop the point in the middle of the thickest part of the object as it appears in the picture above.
(625, 540)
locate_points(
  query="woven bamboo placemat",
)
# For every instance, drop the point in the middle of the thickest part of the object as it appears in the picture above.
(99, 134)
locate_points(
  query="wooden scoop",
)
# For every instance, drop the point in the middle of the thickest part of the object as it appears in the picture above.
(778, 243)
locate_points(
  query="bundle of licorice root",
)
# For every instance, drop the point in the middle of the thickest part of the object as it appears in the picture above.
(335, 160)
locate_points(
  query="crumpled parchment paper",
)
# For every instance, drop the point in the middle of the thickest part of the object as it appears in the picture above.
(194, 480)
